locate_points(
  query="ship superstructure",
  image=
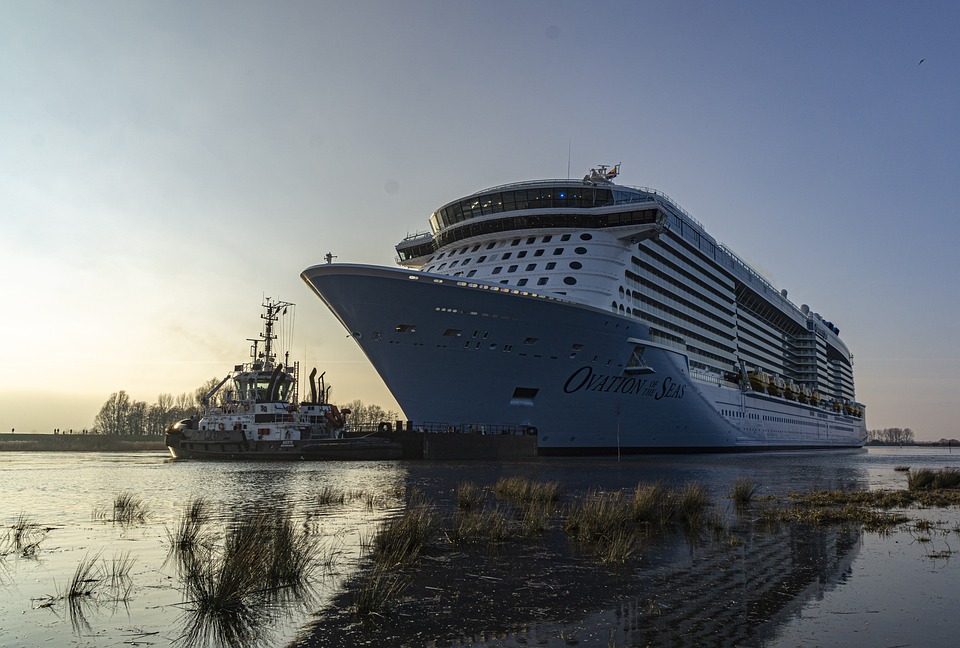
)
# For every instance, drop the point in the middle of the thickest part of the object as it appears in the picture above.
(599, 316)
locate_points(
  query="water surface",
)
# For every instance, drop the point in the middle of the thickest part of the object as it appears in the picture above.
(794, 587)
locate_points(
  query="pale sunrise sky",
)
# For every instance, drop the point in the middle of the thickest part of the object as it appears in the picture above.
(165, 165)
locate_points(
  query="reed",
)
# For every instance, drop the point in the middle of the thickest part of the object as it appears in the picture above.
(691, 503)
(618, 548)
(329, 495)
(191, 538)
(490, 526)
(25, 535)
(599, 514)
(651, 505)
(378, 591)
(925, 479)
(521, 489)
(399, 541)
(535, 519)
(469, 496)
(744, 490)
(129, 508)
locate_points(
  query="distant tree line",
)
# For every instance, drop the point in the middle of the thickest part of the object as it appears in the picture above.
(122, 415)
(365, 415)
(894, 436)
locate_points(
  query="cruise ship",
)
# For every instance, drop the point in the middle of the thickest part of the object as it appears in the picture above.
(601, 318)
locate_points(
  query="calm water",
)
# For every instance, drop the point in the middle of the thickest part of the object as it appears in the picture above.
(825, 588)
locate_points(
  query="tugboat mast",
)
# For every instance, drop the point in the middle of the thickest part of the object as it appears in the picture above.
(271, 315)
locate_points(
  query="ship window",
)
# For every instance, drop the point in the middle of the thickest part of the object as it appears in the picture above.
(565, 237)
(570, 281)
(515, 242)
(482, 259)
(546, 239)
(506, 255)
(581, 250)
(575, 265)
(505, 281)
(522, 282)
(521, 254)
(442, 265)
(441, 256)
(463, 251)
(454, 264)
(538, 253)
(542, 281)
(512, 268)
(471, 273)
(405, 328)
(531, 240)
(531, 341)
(490, 246)
(558, 251)
(452, 333)
(466, 261)
(530, 266)
(497, 270)
(586, 237)
(551, 265)
(475, 248)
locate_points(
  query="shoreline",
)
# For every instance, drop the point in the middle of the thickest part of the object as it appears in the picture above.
(79, 443)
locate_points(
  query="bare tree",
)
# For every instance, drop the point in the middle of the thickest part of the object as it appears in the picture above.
(112, 418)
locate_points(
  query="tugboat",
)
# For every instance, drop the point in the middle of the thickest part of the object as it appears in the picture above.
(253, 414)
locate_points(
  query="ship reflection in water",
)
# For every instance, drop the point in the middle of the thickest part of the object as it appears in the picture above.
(726, 590)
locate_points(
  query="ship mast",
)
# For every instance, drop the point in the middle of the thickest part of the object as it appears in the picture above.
(272, 314)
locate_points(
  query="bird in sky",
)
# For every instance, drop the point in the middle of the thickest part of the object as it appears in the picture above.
(921, 61)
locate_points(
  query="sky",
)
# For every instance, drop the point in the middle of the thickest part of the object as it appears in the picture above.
(164, 166)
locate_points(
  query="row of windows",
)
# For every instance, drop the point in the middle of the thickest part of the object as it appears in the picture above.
(505, 201)
(543, 221)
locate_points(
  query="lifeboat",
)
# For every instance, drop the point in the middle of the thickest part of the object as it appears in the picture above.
(815, 397)
(792, 390)
(759, 381)
(777, 386)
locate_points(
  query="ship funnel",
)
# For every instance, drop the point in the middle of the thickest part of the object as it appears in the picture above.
(313, 386)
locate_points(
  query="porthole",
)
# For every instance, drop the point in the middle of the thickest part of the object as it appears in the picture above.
(581, 250)
(586, 237)
(570, 281)
(575, 265)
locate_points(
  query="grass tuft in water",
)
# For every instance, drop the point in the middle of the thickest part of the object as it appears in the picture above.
(744, 490)
(25, 536)
(925, 479)
(399, 541)
(129, 508)
(378, 591)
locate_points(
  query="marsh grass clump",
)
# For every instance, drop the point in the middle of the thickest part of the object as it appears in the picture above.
(650, 505)
(399, 541)
(378, 591)
(925, 479)
(744, 490)
(489, 526)
(598, 516)
(691, 504)
(24, 536)
(901, 468)
(129, 508)
(520, 489)
(470, 496)
(329, 495)
(535, 518)
(262, 556)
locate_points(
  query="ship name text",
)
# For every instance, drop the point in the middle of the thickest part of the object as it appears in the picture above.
(584, 379)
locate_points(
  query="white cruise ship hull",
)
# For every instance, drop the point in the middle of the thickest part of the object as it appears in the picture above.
(490, 358)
